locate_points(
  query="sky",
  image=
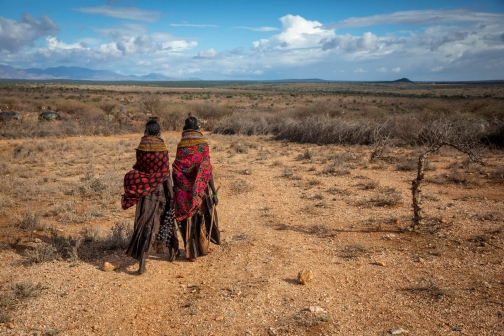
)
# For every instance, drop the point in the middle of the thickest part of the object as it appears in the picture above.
(353, 40)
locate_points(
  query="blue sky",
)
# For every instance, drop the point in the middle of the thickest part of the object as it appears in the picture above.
(215, 40)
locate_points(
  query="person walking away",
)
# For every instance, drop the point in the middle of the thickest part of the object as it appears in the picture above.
(194, 191)
(149, 187)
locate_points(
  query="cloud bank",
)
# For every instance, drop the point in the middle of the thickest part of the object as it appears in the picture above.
(448, 45)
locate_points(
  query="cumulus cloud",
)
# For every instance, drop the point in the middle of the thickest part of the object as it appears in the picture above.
(297, 32)
(16, 34)
(396, 69)
(360, 70)
(418, 17)
(131, 13)
(382, 69)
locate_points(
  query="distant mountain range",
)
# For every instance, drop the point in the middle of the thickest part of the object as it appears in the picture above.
(78, 73)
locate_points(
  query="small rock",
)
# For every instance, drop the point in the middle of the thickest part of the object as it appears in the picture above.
(107, 267)
(316, 309)
(95, 328)
(305, 277)
(219, 318)
(181, 276)
(37, 240)
(421, 260)
(398, 331)
(10, 326)
(380, 263)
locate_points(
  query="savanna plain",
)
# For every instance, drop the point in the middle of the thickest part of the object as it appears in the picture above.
(314, 178)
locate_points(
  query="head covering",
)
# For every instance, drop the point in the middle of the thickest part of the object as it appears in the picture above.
(191, 123)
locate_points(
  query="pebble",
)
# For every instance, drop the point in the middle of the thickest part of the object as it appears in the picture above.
(305, 277)
(181, 276)
(380, 263)
(219, 318)
(316, 309)
(10, 326)
(107, 267)
(95, 327)
(398, 331)
(37, 240)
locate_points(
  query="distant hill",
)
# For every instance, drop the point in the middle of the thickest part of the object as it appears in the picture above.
(403, 80)
(77, 73)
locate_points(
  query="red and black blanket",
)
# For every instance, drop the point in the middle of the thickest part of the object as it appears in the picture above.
(149, 172)
(191, 172)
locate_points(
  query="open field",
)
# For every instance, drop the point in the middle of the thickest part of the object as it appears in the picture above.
(336, 209)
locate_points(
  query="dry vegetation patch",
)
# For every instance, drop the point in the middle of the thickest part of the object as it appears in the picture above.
(332, 209)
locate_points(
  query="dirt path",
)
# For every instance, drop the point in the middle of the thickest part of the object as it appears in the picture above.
(279, 215)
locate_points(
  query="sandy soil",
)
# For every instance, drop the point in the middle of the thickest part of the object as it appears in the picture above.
(283, 210)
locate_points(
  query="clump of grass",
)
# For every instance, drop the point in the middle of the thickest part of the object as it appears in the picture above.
(353, 251)
(497, 174)
(306, 155)
(29, 220)
(41, 253)
(337, 191)
(240, 186)
(287, 172)
(333, 169)
(386, 197)
(313, 182)
(368, 185)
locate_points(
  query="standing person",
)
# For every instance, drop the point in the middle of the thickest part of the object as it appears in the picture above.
(149, 186)
(195, 194)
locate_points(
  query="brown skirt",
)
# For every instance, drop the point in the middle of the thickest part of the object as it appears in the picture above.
(148, 217)
(195, 230)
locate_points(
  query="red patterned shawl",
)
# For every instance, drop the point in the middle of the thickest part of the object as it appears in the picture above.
(191, 172)
(150, 170)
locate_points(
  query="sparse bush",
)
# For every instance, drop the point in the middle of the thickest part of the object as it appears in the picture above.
(29, 220)
(240, 186)
(41, 253)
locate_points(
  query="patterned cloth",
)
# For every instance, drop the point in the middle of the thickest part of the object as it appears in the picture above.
(150, 170)
(191, 172)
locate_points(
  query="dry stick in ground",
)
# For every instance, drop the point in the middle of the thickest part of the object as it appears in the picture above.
(417, 182)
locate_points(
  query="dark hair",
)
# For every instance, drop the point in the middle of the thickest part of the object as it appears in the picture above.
(191, 123)
(152, 128)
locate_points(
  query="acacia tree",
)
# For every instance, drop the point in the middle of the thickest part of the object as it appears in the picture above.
(461, 136)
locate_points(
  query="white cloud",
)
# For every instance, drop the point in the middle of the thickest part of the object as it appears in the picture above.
(259, 29)
(297, 32)
(210, 53)
(131, 13)
(438, 68)
(382, 69)
(360, 70)
(418, 17)
(396, 70)
(54, 43)
(16, 34)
